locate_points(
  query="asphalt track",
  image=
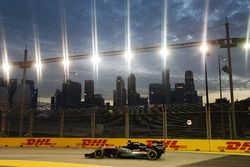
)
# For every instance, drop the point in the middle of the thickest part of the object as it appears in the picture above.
(70, 156)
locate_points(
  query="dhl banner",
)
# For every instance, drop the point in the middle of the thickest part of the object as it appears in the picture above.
(233, 146)
(239, 146)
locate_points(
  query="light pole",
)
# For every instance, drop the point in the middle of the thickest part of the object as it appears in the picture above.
(221, 109)
(23, 92)
(232, 114)
(204, 51)
(208, 117)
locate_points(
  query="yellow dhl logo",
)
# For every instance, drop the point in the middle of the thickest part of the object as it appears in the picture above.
(38, 142)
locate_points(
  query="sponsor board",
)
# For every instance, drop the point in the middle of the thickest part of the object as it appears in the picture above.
(171, 144)
(94, 143)
(38, 142)
(231, 146)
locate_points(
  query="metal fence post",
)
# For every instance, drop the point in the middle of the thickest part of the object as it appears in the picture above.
(31, 123)
(61, 122)
(93, 124)
(208, 122)
(126, 122)
(3, 124)
(164, 121)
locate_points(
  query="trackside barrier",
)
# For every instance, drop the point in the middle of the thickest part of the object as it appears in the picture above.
(233, 146)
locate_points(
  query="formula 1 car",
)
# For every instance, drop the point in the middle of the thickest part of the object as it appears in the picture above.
(131, 150)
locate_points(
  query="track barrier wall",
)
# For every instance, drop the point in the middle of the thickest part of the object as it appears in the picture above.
(230, 146)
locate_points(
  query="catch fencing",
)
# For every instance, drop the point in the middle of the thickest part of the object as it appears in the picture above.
(184, 121)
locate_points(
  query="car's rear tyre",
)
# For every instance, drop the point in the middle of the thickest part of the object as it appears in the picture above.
(152, 155)
(99, 153)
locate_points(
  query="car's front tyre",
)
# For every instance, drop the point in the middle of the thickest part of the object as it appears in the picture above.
(99, 153)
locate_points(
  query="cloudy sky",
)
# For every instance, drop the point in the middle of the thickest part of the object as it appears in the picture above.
(185, 24)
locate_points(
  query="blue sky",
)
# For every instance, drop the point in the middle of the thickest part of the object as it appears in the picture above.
(185, 24)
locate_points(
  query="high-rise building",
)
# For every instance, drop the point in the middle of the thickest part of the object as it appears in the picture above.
(199, 100)
(167, 85)
(166, 78)
(131, 83)
(4, 100)
(52, 103)
(2, 82)
(71, 93)
(179, 93)
(31, 84)
(114, 98)
(58, 98)
(132, 94)
(34, 96)
(34, 93)
(157, 93)
(89, 92)
(98, 100)
(17, 100)
(124, 97)
(120, 92)
(190, 93)
(189, 81)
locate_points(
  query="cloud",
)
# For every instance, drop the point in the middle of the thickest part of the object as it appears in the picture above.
(185, 23)
(189, 37)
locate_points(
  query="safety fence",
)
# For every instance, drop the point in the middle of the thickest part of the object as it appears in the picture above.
(229, 146)
(175, 121)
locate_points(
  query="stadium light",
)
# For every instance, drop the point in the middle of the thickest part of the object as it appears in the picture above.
(247, 46)
(204, 48)
(95, 59)
(38, 65)
(66, 63)
(164, 51)
(6, 67)
(128, 55)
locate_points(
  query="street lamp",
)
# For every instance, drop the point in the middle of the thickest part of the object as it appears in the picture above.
(204, 50)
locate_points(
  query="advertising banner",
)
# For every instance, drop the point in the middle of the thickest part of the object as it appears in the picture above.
(233, 146)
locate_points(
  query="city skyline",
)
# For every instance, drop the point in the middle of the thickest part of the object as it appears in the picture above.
(76, 94)
(212, 97)
(111, 18)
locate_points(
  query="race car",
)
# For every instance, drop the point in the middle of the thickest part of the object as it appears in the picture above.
(131, 150)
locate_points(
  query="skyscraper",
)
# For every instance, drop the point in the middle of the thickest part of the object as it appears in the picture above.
(34, 96)
(58, 98)
(31, 84)
(89, 92)
(114, 98)
(190, 93)
(71, 93)
(34, 93)
(157, 93)
(179, 93)
(2, 82)
(99, 100)
(120, 92)
(167, 85)
(132, 94)
(52, 103)
(131, 83)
